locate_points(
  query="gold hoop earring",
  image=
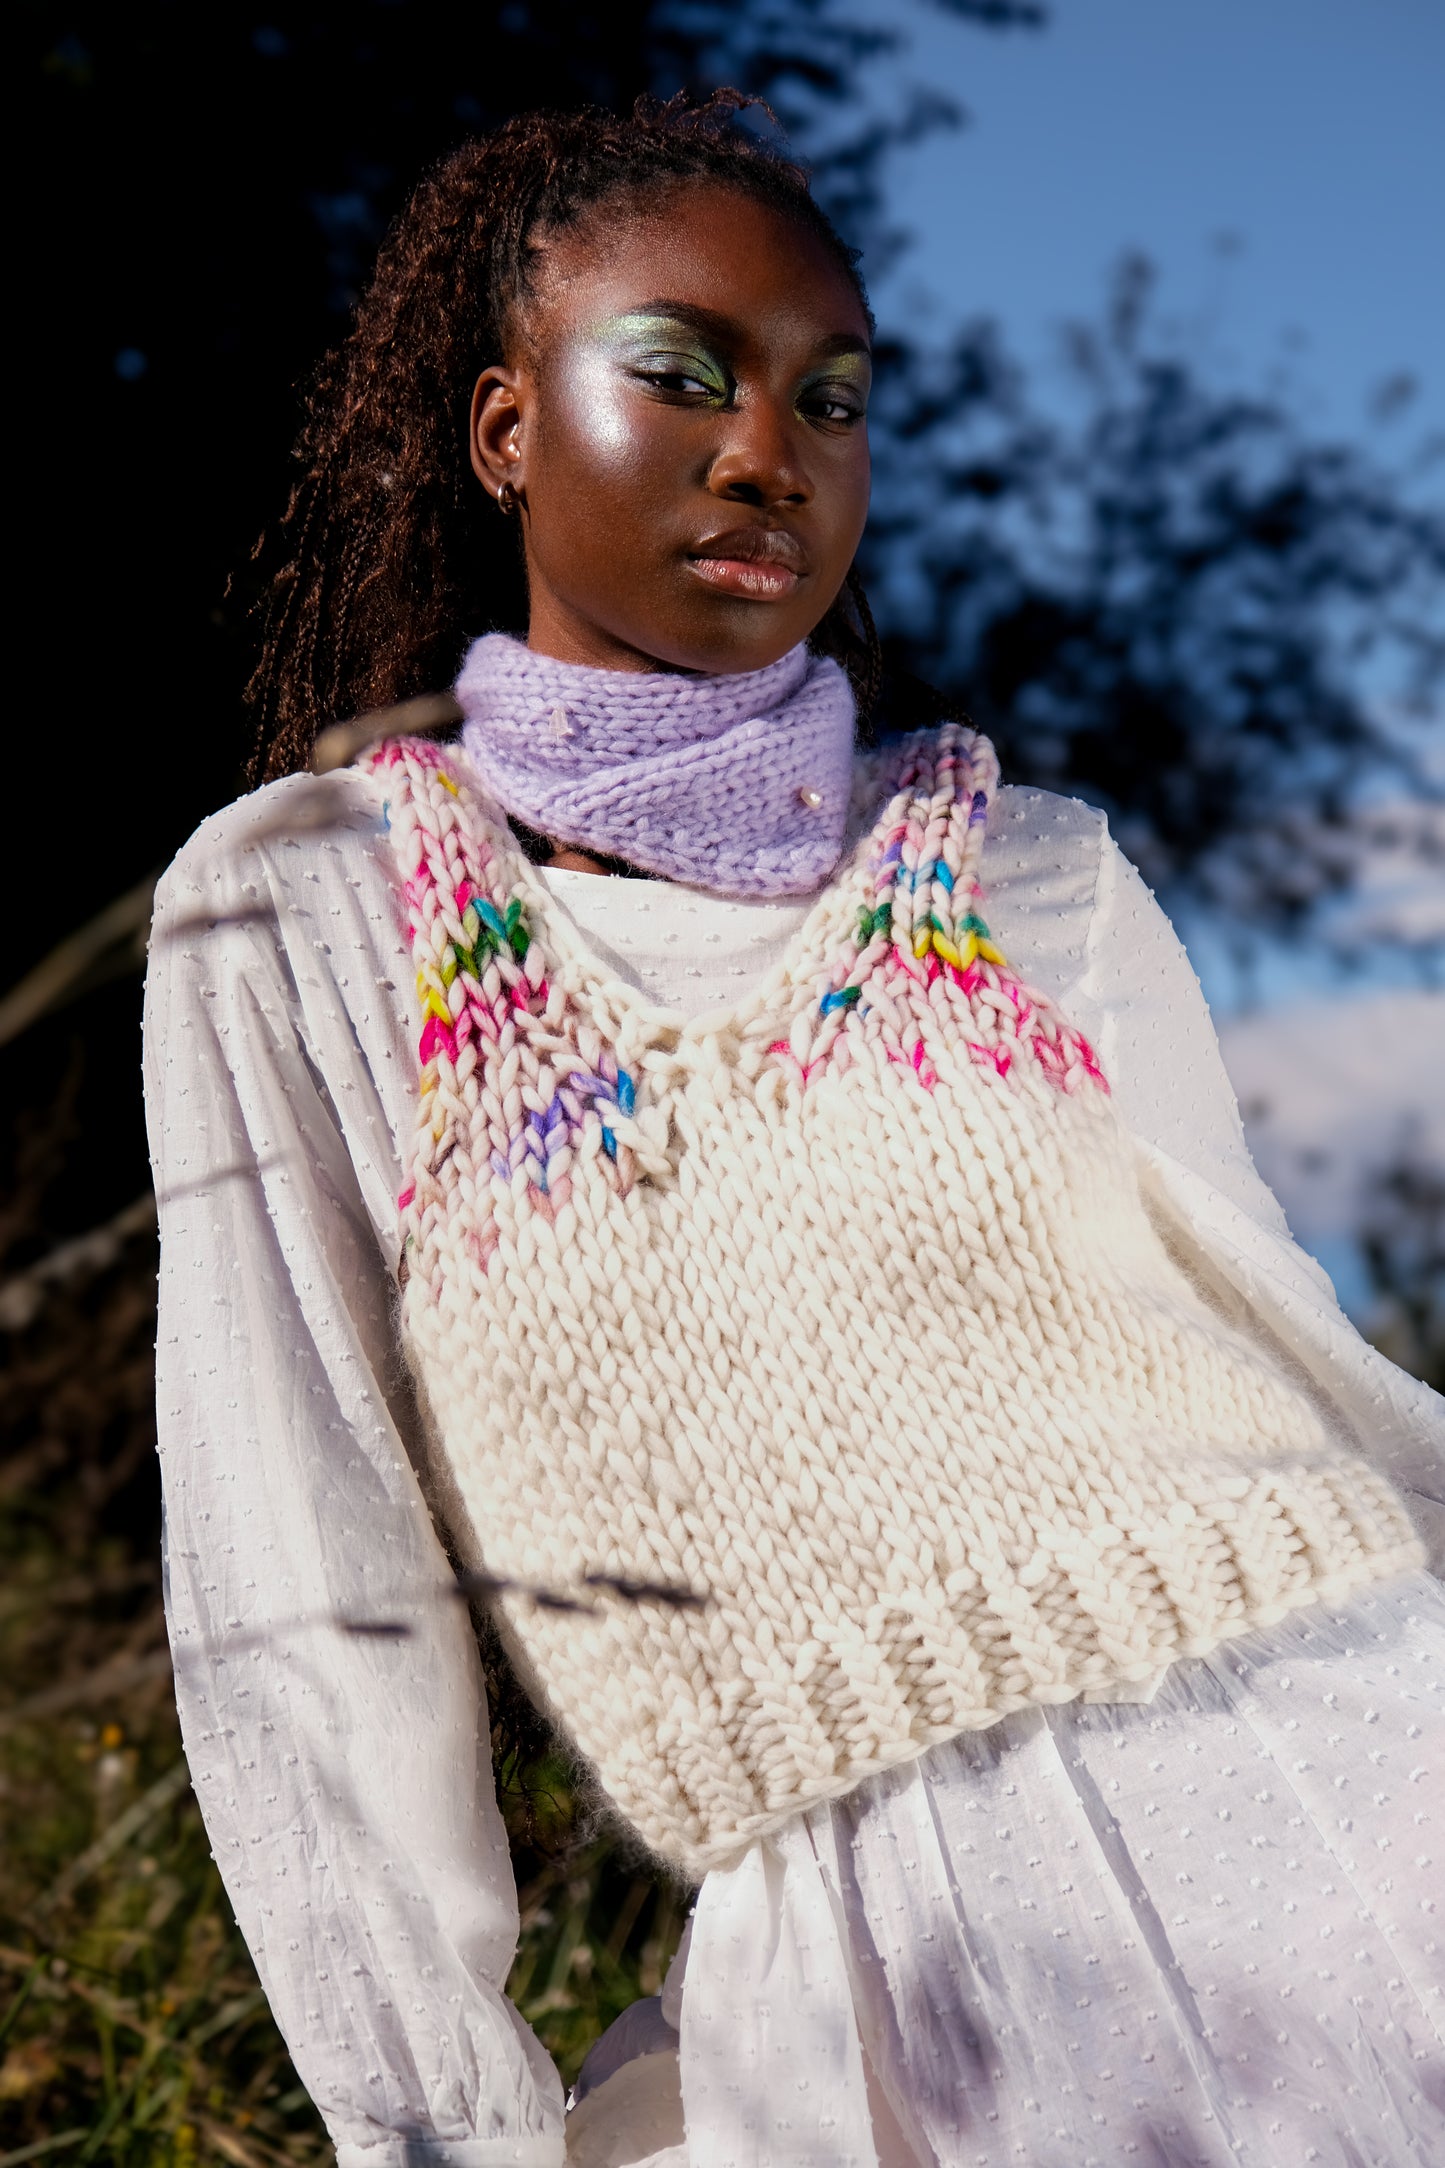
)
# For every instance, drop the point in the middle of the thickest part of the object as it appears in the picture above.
(507, 500)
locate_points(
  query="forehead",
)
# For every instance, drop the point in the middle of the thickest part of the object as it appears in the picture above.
(705, 245)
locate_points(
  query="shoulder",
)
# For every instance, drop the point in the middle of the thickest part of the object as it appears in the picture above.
(278, 1013)
(298, 879)
(243, 842)
(1024, 820)
(281, 919)
(1041, 871)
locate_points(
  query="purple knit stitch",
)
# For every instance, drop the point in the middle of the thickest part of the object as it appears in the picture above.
(707, 780)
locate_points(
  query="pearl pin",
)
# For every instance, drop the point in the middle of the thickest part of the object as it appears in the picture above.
(809, 797)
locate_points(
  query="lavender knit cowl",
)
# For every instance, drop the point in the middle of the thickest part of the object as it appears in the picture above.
(738, 784)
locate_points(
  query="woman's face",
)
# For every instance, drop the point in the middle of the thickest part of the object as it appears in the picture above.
(684, 427)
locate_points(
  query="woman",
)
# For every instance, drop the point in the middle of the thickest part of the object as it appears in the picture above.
(987, 1545)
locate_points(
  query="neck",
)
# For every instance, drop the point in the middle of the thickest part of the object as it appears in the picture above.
(575, 861)
(737, 783)
(546, 851)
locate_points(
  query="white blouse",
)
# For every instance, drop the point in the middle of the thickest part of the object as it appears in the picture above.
(345, 1778)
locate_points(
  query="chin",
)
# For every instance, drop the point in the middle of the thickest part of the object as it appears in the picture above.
(728, 650)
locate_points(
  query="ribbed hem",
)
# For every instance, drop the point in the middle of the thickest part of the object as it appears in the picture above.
(697, 1860)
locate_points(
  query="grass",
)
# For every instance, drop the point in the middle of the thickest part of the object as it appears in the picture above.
(132, 2026)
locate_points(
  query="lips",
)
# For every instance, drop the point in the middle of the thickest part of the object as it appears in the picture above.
(763, 563)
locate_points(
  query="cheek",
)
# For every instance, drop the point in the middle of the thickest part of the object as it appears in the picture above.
(596, 445)
(859, 476)
(590, 417)
(842, 509)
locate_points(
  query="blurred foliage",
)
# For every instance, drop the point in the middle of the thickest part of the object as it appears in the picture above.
(1170, 598)
(132, 2025)
(825, 71)
(207, 187)
(1166, 595)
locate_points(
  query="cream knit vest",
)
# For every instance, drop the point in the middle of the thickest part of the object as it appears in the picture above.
(841, 1308)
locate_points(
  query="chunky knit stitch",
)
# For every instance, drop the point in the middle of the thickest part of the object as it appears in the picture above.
(735, 783)
(843, 1308)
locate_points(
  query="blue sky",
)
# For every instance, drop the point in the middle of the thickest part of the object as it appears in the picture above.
(1309, 135)
(1306, 135)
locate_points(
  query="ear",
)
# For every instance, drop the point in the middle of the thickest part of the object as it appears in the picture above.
(498, 407)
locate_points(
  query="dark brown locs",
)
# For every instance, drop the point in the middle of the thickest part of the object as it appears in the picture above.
(387, 559)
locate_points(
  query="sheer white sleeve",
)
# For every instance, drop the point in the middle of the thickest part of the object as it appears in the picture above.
(1141, 999)
(344, 1776)
(1160, 1049)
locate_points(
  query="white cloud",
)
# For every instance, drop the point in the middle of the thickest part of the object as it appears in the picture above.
(1335, 1092)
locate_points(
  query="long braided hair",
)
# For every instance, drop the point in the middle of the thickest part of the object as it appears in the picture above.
(389, 553)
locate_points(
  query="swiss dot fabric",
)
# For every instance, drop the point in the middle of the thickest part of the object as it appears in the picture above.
(692, 953)
(1203, 1933)
(345, 1782)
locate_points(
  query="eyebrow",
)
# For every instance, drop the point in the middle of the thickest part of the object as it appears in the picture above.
(714, 325)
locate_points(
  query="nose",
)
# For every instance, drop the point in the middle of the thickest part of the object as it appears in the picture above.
(761, 462)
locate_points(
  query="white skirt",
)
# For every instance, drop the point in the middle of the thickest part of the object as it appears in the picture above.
(1201, 1932)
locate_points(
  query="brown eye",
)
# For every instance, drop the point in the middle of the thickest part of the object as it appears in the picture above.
(825, 407)
(681, 376)
(677, 380)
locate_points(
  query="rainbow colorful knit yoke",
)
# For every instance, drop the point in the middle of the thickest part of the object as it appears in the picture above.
(918, 960)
